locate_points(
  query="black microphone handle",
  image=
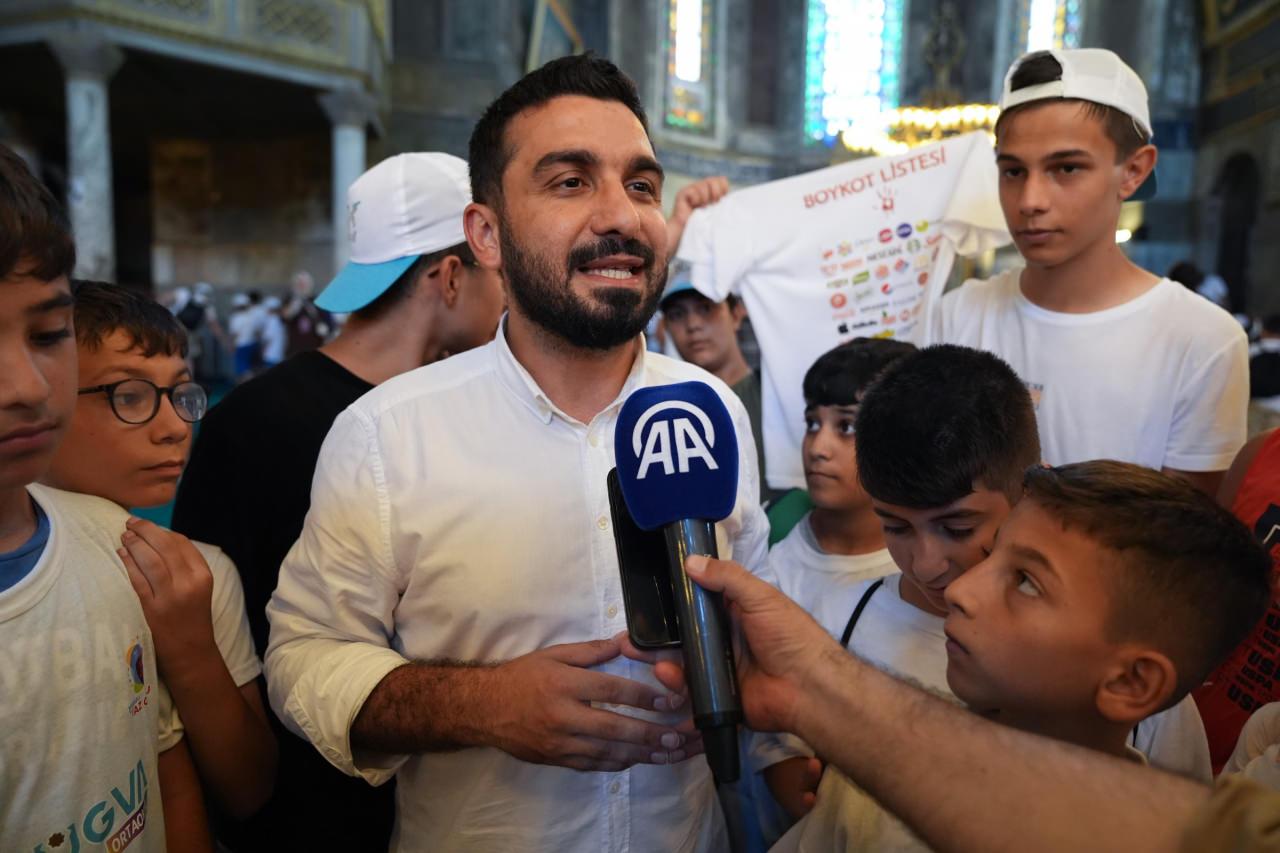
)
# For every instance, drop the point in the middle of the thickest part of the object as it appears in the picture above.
(708, 652)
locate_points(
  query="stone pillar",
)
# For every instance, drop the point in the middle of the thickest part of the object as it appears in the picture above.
(350, 111)
(88, 62)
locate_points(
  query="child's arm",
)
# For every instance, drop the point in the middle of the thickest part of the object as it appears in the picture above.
(794, 783)
(226, 726)
(186, 826)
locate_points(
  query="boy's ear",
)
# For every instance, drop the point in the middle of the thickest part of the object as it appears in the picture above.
(1135, 170)
(448, 280)
(1139, 683)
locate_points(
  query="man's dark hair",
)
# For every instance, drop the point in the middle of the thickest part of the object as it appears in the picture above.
(1186, 576)
(102, 308)
(842, 374)
(34, 232)
(1041, 67)
(584, 74)
(941, 422)
(400, 289)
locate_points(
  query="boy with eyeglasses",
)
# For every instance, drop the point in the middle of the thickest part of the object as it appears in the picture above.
(127, 442)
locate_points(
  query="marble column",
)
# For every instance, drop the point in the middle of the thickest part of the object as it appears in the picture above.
(88, 61)
(350, 111)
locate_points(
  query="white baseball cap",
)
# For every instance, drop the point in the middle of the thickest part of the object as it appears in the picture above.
(407, 206)
(1090, 74)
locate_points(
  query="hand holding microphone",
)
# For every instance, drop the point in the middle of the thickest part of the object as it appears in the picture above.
(677, 457)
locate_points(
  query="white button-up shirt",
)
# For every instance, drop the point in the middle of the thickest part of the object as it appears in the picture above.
(457, 513)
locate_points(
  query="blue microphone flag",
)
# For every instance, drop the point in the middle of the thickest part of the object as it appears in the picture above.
(677, 455)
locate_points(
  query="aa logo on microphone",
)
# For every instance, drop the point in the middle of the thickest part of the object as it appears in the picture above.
(673, 443)
(677, 452)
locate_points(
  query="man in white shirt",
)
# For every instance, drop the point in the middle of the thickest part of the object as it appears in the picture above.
(1121, 364)
(444, 616)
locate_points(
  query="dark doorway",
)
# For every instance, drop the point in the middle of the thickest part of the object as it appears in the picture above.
(1237, 188)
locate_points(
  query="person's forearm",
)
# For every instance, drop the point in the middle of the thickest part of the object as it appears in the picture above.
(938, 767)
(426, 707)
(186, 824)
(232, 746)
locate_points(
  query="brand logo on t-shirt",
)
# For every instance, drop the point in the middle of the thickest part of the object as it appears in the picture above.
(839, 300)
(904, 230)
(141, 691)
(922, 226)
(1036, 390)
(900, 265)
(862, 277)
(923, 279)
(99, 824)
(886, 235)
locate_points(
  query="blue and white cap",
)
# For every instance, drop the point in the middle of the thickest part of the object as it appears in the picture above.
(1091, 74)
(407, 206)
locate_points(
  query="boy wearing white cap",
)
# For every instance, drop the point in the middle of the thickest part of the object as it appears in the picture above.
(415, 295)
(1122, 364)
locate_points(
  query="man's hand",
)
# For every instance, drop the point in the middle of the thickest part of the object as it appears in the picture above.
(783, 649)
(175, 588)
(695, 195)
(552, 710)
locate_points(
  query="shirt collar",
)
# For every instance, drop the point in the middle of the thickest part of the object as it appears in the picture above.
(520, 383)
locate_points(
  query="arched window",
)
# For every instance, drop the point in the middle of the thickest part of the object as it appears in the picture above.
(853, 55)
(689, 102)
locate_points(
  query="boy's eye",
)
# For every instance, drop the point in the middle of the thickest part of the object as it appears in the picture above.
(644, 187)
(571, 183)
(50, 338)
(1011, 173)
(846, 427)
(896, 530)
(1026, 585)
(957, 532)
(811, 425)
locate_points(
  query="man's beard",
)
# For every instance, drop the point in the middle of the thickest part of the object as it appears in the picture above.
(608, 318)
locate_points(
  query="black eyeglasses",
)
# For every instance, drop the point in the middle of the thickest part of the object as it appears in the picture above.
(136, 401)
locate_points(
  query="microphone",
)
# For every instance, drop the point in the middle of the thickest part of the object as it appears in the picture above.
(677, 456)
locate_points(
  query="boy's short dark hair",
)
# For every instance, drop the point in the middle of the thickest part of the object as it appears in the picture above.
(843, 373)
(941, 422)
(102, 308)
(400, 289)
(1187, 575)
(1041, 67)
(34, 231)
(583, 74)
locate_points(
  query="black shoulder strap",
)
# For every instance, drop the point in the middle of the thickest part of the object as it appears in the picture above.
(857, 612)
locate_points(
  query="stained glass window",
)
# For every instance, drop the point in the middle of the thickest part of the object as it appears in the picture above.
(690, 89)
(853, 59)
(1051, 24)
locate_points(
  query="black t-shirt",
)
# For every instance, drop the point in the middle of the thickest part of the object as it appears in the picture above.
(247, 490)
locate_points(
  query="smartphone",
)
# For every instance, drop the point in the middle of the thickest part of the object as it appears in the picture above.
(647, 593)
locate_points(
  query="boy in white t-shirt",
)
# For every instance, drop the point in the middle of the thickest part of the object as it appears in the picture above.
(833, 548)
(942, 439)
(79, 717)
(1121, 363)
(127, 442)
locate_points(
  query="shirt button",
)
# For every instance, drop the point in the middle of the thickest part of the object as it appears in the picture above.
(612, 611)
(594, 440)
(615, 788)
(602, 523)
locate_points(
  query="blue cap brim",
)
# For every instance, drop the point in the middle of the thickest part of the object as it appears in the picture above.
(682, 285)
(1147, 191)
(356, 285)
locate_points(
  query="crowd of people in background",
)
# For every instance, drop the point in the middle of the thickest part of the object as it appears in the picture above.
(1026, 599)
